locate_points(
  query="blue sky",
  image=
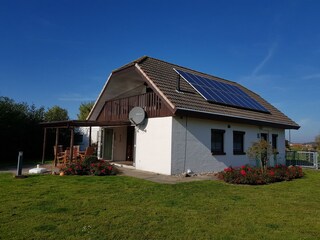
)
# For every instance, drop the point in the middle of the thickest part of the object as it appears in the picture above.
(55, 52)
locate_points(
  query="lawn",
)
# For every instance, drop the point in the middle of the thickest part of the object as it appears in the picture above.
(119, 207)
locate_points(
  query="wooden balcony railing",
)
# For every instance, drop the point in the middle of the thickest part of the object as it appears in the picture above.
(118, 109)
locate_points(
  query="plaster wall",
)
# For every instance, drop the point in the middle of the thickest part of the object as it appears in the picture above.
(191, 144)
(153, 145)
(85, 132)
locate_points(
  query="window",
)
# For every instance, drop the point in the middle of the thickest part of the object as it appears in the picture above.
(217, 142)
(264, 136)
(238, 143)
(275, 141)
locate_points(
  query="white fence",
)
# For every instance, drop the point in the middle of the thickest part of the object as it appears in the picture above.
(303, 158)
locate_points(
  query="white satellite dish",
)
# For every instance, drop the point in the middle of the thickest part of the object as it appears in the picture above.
(137, 115)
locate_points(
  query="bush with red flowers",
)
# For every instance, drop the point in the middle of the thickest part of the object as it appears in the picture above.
(89, 166)
(256, 176)
(102, 168)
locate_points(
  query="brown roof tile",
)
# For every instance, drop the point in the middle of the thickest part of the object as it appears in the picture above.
(165, 78)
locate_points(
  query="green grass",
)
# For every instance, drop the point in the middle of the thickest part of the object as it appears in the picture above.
(118, 207)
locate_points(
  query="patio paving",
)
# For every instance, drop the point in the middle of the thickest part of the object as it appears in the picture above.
(160, 178)
(125, 171)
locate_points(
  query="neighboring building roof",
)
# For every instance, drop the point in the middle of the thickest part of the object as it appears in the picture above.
(189, 102)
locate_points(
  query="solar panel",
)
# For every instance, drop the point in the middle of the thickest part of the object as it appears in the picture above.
(221, 93)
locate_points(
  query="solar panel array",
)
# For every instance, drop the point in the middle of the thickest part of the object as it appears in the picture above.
(221, 93)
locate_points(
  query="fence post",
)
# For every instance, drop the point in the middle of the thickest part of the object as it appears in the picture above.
(315, 160)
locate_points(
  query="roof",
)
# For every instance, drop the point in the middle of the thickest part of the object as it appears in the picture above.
(163, 78)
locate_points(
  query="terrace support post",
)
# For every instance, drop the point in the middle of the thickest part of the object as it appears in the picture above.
(90, 132)
(56, 148)
(71, 143)
(44, 145)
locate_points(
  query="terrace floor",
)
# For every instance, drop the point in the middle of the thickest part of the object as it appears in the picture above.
(125, 171)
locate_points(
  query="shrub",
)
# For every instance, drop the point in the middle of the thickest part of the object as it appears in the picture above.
(90, 159)
(89, 166)
(74, 168)
(102, 168)
(261, 151)
(255, 176)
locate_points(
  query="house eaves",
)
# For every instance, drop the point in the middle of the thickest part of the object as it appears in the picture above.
(230, 118)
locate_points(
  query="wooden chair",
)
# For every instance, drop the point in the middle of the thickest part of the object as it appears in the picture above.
(58, 153)
(89, 152)
(76, 152)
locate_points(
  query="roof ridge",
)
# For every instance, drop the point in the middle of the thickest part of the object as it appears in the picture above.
(188, 68)
(138, 60)
(144, 57)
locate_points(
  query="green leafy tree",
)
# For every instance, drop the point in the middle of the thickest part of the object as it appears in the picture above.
(84, 110)
(56, 113)
(20, 129)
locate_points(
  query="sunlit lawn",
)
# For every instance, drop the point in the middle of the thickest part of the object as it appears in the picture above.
(118, 207)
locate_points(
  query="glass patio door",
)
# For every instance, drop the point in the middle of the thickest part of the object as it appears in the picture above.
(108, 144)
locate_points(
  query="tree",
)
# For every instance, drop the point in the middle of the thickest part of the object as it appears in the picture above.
(261, 151)
(317, 140)
(84, 110)
(20, 129)
(56, 113)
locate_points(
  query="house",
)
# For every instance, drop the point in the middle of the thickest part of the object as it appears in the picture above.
(193, 120)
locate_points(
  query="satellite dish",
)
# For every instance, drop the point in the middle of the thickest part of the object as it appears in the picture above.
(137, 115)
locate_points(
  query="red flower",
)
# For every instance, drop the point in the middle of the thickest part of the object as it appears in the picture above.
(271, 173)
(243, 172)
(228, 169)
(109, 168)
(243, 167)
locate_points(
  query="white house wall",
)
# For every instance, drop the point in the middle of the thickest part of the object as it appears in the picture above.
(171, 145)
(153, 145)
(191, 144)
(85, 132)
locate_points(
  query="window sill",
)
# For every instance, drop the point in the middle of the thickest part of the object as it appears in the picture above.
(218, 153)
(239, 153)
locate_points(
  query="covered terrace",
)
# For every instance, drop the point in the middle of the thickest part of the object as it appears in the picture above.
(71, 125)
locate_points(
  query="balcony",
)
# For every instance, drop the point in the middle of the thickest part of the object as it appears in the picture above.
(118, 110)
